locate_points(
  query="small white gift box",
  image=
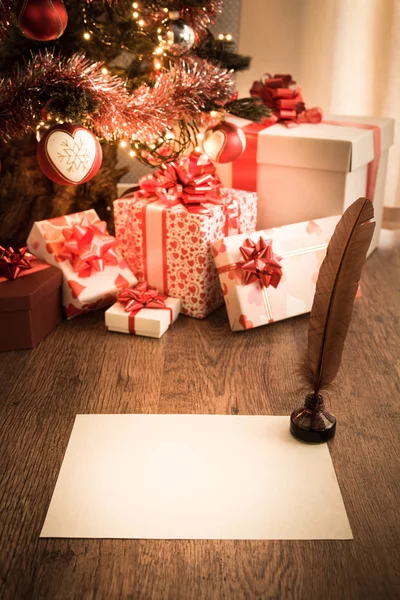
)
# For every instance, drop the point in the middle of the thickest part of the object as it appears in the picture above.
(146, 321)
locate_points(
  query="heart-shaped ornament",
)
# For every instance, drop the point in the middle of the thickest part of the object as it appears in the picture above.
(69, 154)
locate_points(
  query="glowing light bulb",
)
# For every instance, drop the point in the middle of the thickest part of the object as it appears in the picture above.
(86, 35)
(123, 144)
(157, 65)
(141, 23)
(229, 37)
(132, 153)
(135, 5)
(135, 15)
(104, 71)
(221, 36)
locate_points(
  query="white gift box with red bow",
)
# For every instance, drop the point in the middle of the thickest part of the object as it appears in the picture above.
(270, 275)
(312, 170)
(142, 311)
(93, 268)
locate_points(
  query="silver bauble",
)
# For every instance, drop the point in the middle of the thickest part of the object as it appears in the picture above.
(178, 36)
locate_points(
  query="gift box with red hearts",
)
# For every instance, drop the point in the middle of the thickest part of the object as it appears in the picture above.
(166, 229)
(93, 267)
(142, 311)
(271, 274)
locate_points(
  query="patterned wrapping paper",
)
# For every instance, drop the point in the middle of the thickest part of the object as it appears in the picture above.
(80, 293)
(170, 247)
(302, 248)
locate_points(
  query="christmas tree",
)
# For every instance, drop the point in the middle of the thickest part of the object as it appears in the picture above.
(144, 76)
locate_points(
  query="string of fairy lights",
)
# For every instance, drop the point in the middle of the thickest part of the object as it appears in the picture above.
(182, 136)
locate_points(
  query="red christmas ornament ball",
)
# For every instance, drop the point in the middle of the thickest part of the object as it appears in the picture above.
(69, 154)
(42, 20)
(224, 142)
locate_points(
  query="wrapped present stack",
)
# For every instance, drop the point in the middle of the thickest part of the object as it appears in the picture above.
(166, 229)
(191, 235)
(304, 166)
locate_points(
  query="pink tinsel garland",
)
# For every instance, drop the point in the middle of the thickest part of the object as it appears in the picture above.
(144, 114)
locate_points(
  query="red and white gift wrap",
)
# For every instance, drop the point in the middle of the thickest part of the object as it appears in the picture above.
(271, 274)
(312, 170)
(93, 268)
(142, 311)
(167, 241)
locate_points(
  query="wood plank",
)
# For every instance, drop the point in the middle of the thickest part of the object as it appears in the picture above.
(201, 367)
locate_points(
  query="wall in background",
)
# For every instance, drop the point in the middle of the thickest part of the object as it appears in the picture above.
(345, 54)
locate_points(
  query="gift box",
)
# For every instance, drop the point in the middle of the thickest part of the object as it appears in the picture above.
(142, 311)
(310, 170)
(271, 274)
(93, 268)
(166, 230)
(30, 305)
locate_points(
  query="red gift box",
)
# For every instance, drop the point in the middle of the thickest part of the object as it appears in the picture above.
(30, 301)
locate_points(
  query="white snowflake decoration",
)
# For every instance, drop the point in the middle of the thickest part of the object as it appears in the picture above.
(77, 156)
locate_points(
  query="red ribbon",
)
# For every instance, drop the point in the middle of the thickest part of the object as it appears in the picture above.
(89, 247)
(283, 96)
(260, 263)
(142, 296)
(191, 181)
(13, 262)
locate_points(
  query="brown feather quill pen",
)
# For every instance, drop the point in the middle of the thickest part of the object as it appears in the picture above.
(336, 288)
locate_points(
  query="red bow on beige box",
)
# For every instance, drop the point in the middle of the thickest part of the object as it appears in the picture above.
(89, 247)
(142, 296)
(260, 263)
(283, 96)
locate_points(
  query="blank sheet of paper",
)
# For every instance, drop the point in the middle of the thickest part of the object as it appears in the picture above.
(194, 477)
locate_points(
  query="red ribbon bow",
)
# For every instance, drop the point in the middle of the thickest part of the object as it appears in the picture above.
(142, 296)
(283, 96)
(260, 263)
(13, 262)
(191, 181)
(89, 247)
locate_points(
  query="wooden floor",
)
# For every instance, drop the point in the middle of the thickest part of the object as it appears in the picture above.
(201, 367)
